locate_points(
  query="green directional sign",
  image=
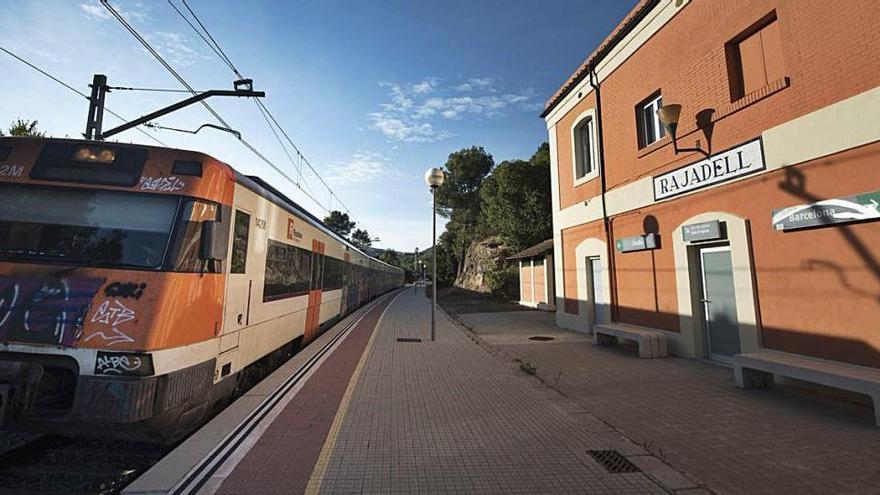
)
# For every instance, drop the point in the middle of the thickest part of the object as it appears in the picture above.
(828, 212)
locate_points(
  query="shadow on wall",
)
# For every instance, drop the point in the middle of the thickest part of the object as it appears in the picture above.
(795, 183)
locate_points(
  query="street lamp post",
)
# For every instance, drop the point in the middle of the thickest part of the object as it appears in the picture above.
(434, 177)
(415, 272)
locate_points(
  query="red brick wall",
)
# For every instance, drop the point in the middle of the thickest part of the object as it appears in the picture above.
(818, 290)
(570, 240)
(568, 193)
(831, 52)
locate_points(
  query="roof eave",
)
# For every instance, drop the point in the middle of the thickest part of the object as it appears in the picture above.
(618, 34)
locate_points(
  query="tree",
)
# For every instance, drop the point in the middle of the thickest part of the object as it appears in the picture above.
(516, 202)
(24, 128)
(458, 199)
(391, 257)
(340, 223)
(361, 238)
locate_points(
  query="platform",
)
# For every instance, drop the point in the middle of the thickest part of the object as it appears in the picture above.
(384, 415)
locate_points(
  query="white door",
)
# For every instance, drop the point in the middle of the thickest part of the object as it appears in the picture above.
(239, 279)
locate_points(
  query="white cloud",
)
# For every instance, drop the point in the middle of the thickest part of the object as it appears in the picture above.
(94, 11)
(475, 83)
(425, 86)
(416, 112)
(135, 11)
(363, 167)
(175, 47)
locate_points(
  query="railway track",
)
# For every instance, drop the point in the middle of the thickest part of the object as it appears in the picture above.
(51, 464)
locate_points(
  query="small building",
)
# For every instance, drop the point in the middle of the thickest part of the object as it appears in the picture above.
(743, 216)
(536, 285)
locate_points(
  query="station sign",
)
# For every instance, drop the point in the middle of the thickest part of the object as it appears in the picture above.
(736, 162)
(703, 231)
(828, 212)
(638, 243)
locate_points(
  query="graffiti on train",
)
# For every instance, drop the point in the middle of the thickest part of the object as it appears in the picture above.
(162, 184)
(47, 311)
(109, 316)
(125, 290)
(112, 363)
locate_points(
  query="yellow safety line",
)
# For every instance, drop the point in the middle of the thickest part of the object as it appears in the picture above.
(323, 461)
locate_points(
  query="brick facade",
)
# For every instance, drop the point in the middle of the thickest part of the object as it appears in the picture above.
(816, 291)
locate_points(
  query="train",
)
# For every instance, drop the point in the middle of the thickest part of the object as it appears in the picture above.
(141, 287)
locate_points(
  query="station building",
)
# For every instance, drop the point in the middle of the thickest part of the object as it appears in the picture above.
(536, 286)
(755, 225)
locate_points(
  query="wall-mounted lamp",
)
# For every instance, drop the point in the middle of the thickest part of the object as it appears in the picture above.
(668, 115)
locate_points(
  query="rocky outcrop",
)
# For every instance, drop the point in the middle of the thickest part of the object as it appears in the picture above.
(481, 256)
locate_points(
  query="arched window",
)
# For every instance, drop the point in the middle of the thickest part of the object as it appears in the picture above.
(585, 151)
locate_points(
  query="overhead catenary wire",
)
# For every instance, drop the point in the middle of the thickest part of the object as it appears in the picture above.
(190, 89)
(218, 50)
(80, 93)
(159, 57)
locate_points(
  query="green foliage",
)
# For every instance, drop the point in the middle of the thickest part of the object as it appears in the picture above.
(465, 171)
(480, 199)
(361, 238)
(515, 200)
(502, 282)
(391, 257)
(340, 223)
(458, 199)
(24, 128)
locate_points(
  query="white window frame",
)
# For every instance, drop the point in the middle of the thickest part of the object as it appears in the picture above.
(575, 147)
(659, 130)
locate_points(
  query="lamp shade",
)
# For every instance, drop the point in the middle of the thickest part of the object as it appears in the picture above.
(668, 115)
(434, 177)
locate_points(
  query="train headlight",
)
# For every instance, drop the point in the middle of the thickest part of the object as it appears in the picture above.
(94, 154)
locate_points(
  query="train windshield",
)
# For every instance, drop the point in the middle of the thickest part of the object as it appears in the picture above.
(85, 227)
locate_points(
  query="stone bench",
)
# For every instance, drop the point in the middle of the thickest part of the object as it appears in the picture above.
(652, 343)
(756, 369)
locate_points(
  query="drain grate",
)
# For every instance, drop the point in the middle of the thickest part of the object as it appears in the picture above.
(408, 339)
(613, 461)
(542, 338)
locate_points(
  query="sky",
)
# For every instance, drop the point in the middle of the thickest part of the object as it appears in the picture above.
(373, 93)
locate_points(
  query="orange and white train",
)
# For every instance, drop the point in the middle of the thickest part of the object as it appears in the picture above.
(142, 286)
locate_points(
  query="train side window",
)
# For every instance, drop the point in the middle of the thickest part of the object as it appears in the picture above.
(188, 239)
(287, 271)
(333, 273)
(240, 242)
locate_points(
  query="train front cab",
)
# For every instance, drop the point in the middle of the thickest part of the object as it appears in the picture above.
(111, 286)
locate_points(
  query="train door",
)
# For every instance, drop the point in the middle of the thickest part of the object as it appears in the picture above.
(239, 280)
(313, 313)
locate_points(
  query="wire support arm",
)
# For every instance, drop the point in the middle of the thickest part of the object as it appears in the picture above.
(177, 106)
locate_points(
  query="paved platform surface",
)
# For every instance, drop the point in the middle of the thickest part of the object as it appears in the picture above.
(691, 414)
(441, 417)
(446, 416)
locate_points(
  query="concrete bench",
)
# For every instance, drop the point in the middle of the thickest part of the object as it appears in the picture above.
(652, 343)
(756, 369)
